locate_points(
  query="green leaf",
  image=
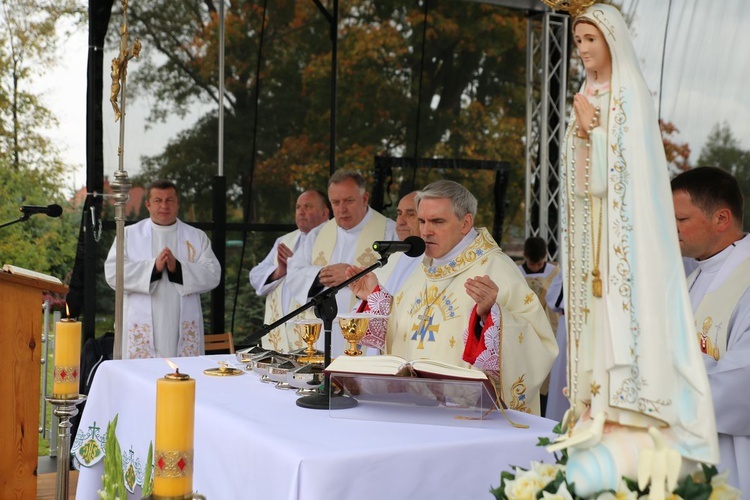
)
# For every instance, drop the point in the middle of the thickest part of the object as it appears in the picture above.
(148, 479)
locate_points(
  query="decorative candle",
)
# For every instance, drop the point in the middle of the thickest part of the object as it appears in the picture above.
(67, 358)
(175, 418)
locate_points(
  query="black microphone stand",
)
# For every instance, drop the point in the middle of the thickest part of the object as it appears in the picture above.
(23, 218)
(325, 309)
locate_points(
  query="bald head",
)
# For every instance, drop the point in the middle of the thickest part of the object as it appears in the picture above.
(407, 223)
(311, 210)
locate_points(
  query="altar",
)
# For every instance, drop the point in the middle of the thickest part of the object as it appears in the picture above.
(253, 441)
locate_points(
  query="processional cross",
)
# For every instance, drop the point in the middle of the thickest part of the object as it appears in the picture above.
(121, 184)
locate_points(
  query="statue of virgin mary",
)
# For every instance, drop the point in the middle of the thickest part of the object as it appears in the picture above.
(633, 363)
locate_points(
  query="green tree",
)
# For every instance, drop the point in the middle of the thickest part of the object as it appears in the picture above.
(41, 244)
(31, 170)
(723, 150)
(28, 46)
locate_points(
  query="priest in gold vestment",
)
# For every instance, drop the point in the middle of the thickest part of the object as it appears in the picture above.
(467, 304)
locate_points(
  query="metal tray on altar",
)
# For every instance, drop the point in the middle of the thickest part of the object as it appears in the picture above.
(278, 373)
(261, 364)
(306, 379)
(246, 355)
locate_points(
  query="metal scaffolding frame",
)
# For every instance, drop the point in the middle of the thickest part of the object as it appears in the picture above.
(546, 83)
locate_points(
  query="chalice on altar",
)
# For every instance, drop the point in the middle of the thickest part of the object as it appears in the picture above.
(353, 328)
(309, 331)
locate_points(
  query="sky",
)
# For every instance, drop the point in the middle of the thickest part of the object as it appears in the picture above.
(704, 75)
(705, 63)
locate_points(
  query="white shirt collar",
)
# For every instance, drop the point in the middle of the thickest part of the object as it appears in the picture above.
(359, 227)
(714, 263)
(164, 229)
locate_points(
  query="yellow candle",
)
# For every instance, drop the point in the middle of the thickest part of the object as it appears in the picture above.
(175, 418)
(67, 359)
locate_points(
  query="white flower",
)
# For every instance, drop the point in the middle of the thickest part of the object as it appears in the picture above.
(547, 472)
(525, 486)
(562, 493)
(721, 489)
(624, 493)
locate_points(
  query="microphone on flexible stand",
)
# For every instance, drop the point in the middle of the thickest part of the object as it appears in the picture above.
(50, 210)
(412, 246)
(29, 210)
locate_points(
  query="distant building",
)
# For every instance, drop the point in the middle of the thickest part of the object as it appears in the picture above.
(132, 207)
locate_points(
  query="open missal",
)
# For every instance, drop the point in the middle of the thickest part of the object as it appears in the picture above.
(400, 367)
(345, 369)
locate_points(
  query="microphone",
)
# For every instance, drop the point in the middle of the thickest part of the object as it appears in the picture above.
(49, 210)
(413, 246)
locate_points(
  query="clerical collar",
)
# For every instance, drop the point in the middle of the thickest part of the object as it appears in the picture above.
(714, 263)
(359, 227)
(456, 251)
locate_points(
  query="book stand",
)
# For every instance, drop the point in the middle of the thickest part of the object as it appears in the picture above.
(416, 400)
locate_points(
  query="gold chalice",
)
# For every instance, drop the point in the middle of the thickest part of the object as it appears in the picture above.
(353, 328)
(309, 331)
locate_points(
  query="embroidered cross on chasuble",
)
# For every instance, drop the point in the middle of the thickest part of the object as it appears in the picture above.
(434, 302)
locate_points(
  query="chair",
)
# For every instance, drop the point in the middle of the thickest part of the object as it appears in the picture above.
(219, 342)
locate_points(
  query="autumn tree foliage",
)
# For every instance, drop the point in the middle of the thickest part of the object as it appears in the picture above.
(445, 79)
(678, 154)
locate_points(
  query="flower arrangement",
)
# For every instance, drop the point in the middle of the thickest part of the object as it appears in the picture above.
(548, 482)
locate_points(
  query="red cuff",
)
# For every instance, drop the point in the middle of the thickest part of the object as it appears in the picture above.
(474, 347)
(363, 305)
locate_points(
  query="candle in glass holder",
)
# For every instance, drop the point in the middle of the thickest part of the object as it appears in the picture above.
(175, 418)
(67, 359)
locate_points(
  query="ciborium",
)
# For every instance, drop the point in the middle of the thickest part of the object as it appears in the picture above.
(309, 331)
(353, 328)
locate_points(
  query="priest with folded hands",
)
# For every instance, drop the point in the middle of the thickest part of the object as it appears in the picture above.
(467, 304)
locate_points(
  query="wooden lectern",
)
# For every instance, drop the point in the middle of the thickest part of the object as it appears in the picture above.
(20, 367)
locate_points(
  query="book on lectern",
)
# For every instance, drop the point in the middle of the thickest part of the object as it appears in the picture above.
(20, 271)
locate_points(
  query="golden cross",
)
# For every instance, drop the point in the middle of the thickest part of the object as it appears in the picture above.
(424, 327)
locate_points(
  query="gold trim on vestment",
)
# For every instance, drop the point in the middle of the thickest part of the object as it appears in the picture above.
(477, 249)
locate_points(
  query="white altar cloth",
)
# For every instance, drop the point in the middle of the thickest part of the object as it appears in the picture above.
(252, 441)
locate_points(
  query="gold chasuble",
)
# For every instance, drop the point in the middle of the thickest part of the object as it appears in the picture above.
(431, 315)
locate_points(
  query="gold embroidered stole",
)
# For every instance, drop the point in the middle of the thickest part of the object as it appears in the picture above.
(279, 339)
(713, 314)
(364, 255)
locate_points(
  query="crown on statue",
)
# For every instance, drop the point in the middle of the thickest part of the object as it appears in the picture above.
(575, 7)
